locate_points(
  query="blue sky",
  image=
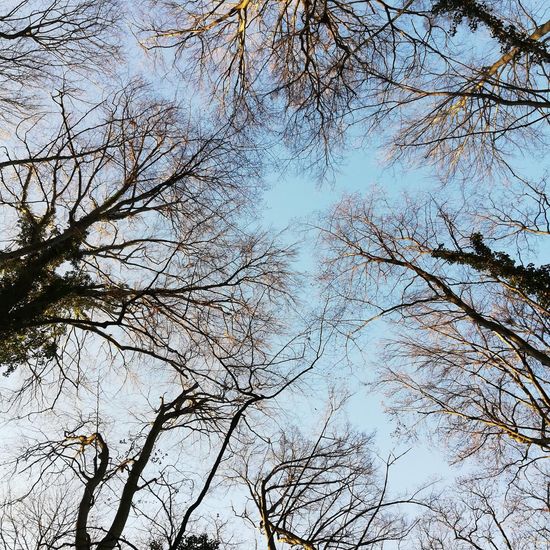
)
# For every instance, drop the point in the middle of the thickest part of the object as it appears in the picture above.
(291, 202)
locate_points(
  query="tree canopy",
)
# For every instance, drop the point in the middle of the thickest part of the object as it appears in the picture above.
(174, 376)
(461, 83)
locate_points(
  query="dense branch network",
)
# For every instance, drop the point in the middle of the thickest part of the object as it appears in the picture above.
(448, 88)
(152, 342)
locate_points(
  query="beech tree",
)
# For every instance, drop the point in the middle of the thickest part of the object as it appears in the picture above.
(482, 517)
(118, 217)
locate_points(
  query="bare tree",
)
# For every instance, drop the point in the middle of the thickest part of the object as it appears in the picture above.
(471, 350)
(37, 524)
(137, 460)
(453, 92)
(140, 311)
(45, 41)
(124, 226)
(126, 264)
(322, 492)
(105, 444)
(479, 517)
(115, 484)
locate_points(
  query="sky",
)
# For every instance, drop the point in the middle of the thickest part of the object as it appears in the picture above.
(295, 200)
